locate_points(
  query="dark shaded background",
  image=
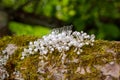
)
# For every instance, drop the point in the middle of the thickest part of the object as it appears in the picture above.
(38, 17)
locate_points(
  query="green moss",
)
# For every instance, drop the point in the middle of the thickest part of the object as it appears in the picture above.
(99, 54)
(28, 67)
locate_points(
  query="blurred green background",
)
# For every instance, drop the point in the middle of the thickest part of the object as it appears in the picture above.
(99, 17)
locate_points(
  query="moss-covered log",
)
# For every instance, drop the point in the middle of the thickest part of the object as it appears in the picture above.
(98, 62)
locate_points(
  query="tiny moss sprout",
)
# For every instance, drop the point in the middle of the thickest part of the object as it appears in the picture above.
(58, 43)
(62, 40)
(61, 55)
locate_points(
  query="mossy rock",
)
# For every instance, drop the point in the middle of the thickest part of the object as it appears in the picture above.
(98, 62)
